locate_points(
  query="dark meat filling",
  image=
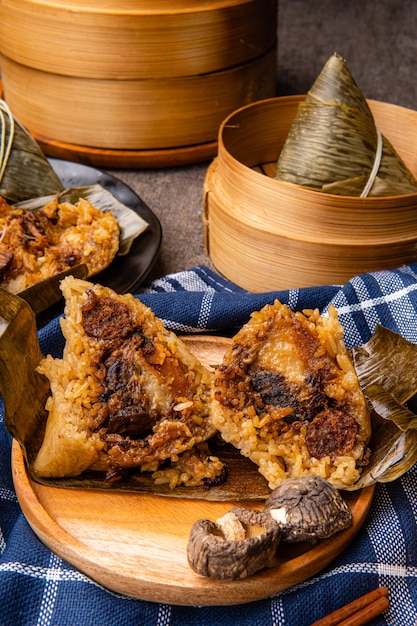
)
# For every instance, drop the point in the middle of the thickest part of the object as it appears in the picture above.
(24, 229)
(276, 391)
(126, 413)
(32, 228)
(330, 431)
(125, 409)
(219, 480)
(107, 319)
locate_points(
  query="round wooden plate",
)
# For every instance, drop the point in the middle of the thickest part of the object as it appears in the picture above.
(135, 544)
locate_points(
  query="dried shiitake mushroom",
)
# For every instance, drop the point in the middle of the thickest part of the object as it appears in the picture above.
(308, 509)
(233, 547)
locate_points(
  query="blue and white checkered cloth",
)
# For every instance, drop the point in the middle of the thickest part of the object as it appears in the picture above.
(39, 588)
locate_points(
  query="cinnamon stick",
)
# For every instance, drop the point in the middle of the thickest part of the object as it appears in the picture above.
(358, 612)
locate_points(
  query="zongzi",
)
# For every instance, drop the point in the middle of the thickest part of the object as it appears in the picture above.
(25, 172)
(126, 394)
(287, 396)
(334, 145)
(38, 244)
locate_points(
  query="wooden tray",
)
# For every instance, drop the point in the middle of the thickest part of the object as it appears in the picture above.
(135, 544)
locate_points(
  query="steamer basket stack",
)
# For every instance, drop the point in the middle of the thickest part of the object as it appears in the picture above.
(136, 82)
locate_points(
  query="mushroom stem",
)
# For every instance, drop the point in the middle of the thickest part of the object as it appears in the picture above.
(225, 550)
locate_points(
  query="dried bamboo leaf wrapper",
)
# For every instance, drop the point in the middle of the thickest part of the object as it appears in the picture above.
(325, 125)
(24, 170)
(335, 85)
(333, 143)
(385, 366)
(394, 178)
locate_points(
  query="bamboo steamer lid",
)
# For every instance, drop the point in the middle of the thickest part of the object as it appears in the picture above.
(132, 39)
(264, 234)
(134, 82)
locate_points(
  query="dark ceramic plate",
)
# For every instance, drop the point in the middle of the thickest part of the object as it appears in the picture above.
(126, 273)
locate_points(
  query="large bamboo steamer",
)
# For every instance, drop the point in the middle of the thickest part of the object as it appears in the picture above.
(265, 234)
(131, 114)
(116, 83)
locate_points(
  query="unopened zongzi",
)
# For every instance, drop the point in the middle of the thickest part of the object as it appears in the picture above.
(25, 172)
(334, 145)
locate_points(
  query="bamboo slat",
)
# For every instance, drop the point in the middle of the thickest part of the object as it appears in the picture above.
(267, 234)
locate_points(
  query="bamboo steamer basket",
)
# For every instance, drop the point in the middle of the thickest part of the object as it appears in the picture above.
(264, 234)
(134, 81)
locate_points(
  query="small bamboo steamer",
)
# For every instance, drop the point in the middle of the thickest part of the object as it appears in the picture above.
(109, 78)
(265, 234)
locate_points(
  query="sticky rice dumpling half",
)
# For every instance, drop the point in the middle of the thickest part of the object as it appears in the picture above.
(287, 396)
(127, 392)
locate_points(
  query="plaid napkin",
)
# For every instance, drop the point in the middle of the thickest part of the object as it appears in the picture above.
(39, 588)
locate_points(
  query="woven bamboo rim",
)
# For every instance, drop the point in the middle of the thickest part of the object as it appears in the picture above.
(265, 234)
(142, 114)
(134, 39)
(312, 215)
(258, 260)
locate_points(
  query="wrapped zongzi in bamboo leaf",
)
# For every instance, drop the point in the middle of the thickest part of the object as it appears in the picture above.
(334, 145)
(25, 172)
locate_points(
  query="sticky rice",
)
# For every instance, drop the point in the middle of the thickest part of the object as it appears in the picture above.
(35, 245)
(127, 393)
(287, 396)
